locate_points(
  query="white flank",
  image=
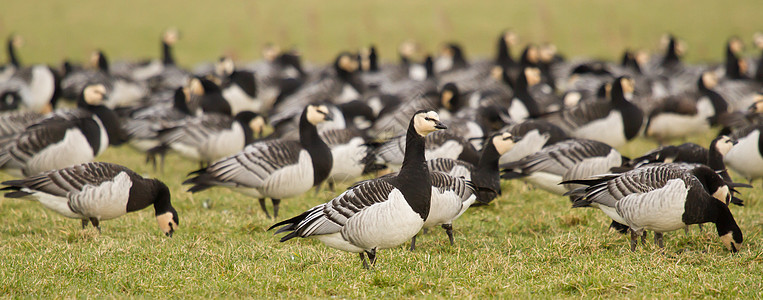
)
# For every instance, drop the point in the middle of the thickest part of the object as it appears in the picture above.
(72, 150)
(347, 160)
(105, 201)
(660, 210)
(608, 130)
(744, 158)
(240, 101)
(530, 143)
(383, 225)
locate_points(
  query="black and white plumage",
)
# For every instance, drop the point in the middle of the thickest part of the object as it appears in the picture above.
(565, 160)
(662, 198)
(62, 141)
(97, 191)
(273, 169)
(451, 197)
(614, 122)
(37, 88)
(239, 87)
(121, 91)
(351, 150)
(438, 144)
(746, 157)
(485, 174)
(210, 136)
(688, 113)
(535, 134)
(379, 213)
(144, 124)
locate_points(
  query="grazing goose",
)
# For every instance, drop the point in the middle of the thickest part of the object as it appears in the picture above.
(379, 213)
(211, 136)
(239, 87)
(614, 122)
(568, 159)
(274, 169)
(746, 157)
(207, 97)
(663, 198)
(689, 113)
(147, 69)
(485, 174)
(97, 191)
(63, 141)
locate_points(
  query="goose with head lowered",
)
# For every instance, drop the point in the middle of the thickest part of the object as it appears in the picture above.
(97, 191)
(65, 139)
(662, 198)
(379, 213)
(274, 169)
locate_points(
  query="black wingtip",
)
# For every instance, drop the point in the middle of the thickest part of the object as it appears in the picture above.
(621, 228)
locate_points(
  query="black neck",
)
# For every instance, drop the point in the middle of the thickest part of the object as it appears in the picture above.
(248, 132)
(671, 56)
(320, 153)
(759, 70)
(12, 54)
(111, 123)
(523, 94)
(414, 174)
(486, 175)
(504, 58)
(373, 60)
(179, 102)
(720, 105)
(103, 63)
(167, 57)
(724, 221)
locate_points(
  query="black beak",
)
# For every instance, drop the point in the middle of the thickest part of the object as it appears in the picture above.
(328, 117)
(440, 125)
(169, 234)
(734, 142)
(516, 138)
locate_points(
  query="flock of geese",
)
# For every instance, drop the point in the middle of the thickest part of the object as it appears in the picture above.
(439, 131)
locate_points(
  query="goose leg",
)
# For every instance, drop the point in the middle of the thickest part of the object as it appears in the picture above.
(318, 188)
(413, 243)
(449, 230)
(700, 227)
(264, 208)
(276, 206)
(363, 260)
(634, 240)
(331, 185)
(96, 224)
(658, 239)
(84, 223)
(372, 257)
(643, 238)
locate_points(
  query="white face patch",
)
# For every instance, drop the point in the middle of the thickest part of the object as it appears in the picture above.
(166, 224)
(757, 107)
(170, 36)
(257, 124)
(94, 59)
(627, 85)
(408, 48)
(728, 241)
(94, 94)
(347, 63)
(503, 143)
(224, 67)
(757, 39)
(195, 87)
(445, 98)
(316, 114)
(547, 52)
(572, 99)
(270, 52)
(510, 38)
(496, 72)
(532, 75)
(722, 194)
(709, 80)
(724, 144)
(736, 45)
(532, 54)
(642, 57)
(424, 123)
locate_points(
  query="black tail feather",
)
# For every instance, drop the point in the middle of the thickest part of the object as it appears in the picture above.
(621, 228)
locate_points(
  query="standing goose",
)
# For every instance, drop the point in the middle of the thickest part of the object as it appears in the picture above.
(211, 136)
(746, 157)
(663, 198)
(97, 191)
(689, 113)
(63, 141)
(613, 122)
(451, 197)
(274, 169)
(565, 160)
(485, 174)
(379, 213)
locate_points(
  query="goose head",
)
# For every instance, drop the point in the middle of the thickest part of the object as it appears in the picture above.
(757, 107)
(346, 63)
(510, 38)
(713, 184)
(723, 144)
(94, 94)
(504, 142)
(224, 67)
(532, 75)
(757, 40)
(449, 97)
(426, 122)
(170, 36)
(547, 52)
(166, 215)
(709, 79)
(317, 114)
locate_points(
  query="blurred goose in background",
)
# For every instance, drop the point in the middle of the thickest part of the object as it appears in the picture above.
(142, 71)
(239, 87)
(122, 91)
(97, 191)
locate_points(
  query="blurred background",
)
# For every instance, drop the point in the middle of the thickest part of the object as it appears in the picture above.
(54, 30)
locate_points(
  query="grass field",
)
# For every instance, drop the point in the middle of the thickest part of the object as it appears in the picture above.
(528, 243)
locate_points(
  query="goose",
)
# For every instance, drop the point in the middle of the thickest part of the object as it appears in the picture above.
(7, 70)
(451, 197)
(484, 175)
(211, 136)
(207, 97)
(122, 91)
(63, 141)
(274, 169)
(689, 113)
(144, 70)
(354, 149)
(613, 122)
(143, 124)
(97, 191)
(663, 198)
(568, 159)
(379, 213)
(438, 144)
(38, 87)
(239, 87)
(746, 157)
(535, 134)
(523, 105)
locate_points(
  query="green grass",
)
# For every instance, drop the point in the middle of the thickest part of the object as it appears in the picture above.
(528, 243)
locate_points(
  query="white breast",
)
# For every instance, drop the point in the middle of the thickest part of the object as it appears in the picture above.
(383, 225)
(530, 143)
(40, 89)
(73, 149)
(347, 160)
(744, 158)
(518, 111)
(609, 130)
(222, 144)
(660, 210)
(668, 126)
(240, 101)
(290, 181)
